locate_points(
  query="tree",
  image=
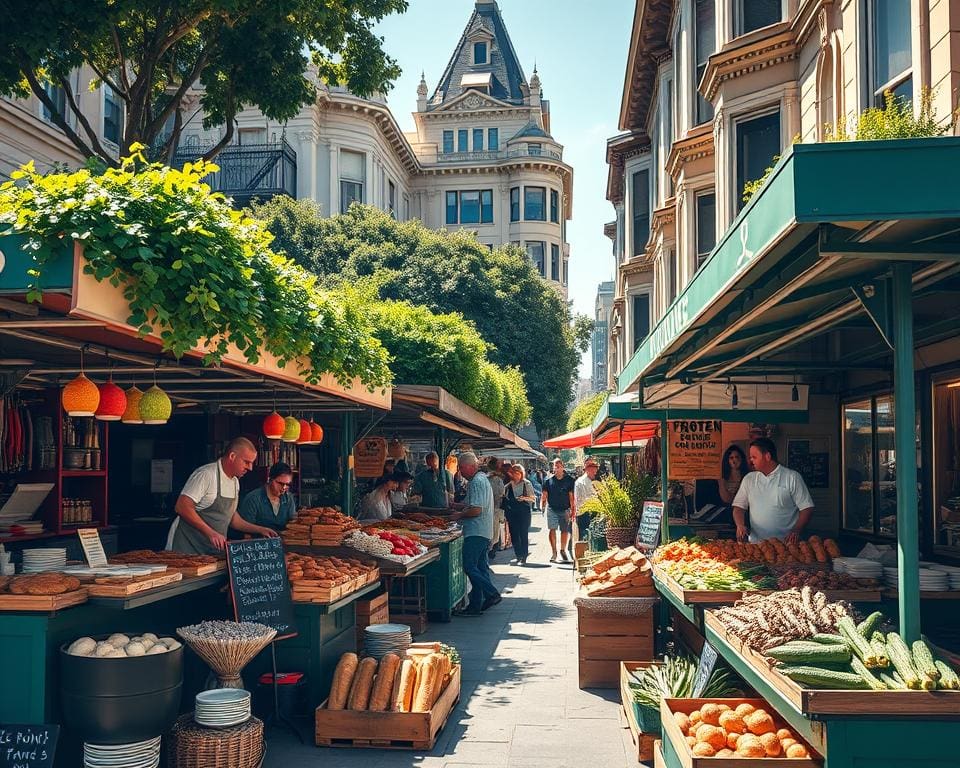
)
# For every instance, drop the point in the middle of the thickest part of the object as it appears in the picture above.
(586, 411)
(152, 54)
(524, 320)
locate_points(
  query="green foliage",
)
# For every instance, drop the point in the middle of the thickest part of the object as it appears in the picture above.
(586, 411)
(640, 486)
(751, 188)
(525, 321)
(192, 268)
(895, 120)
(612, 503)
(242, 52)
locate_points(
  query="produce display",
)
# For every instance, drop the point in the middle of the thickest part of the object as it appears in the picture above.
(429, 533)
(717, 729)
(762, 622)
(390, 546)
(122, 646)
(619, 573)
(795, 578)
(48, 583)
(674, 679)
(169, 559)
(715, 576)
(315, 577)
(320, 526)
(411, 684)
(772, 551)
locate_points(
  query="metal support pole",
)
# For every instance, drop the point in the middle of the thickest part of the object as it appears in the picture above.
(664, 481)
(904, 405)
(348, 436)
(623, 472)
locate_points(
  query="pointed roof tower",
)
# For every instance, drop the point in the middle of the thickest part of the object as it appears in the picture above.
(484, 59)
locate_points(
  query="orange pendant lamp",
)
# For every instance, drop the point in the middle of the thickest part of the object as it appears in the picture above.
(80, 397)
(113, 402)
(131, 414)
(305, 434)
(273, 426)
(316, 433)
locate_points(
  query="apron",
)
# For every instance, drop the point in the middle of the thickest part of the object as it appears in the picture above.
(187, 539)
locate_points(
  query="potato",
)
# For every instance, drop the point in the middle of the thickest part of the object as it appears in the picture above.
(157, 648)
(702, 749)
(771, 744)
(797, 750)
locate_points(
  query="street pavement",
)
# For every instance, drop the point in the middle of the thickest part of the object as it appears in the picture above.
(520, 706)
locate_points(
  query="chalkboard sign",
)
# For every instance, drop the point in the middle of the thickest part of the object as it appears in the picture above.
(648, 534)
(28, 746)
(814, 467)
(708, 660)
(259, 586)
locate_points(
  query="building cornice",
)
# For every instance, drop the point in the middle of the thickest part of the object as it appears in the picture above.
(636, 265)
(648, 49)
(751, 54)
(619, 150)
(382, 118)
(663, 219)
(697, 144)
(610, 230)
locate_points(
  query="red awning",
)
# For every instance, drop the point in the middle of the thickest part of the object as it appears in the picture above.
(583, 438)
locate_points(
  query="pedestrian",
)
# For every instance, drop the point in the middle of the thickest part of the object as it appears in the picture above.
(582, 490)
(207, 506)
(497, 485)
(477, 522)
(534, 480)
(779, 503)
(433, 485)
(518, 498)
(558, 500)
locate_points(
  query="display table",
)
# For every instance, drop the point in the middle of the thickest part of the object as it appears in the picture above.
(446, 581)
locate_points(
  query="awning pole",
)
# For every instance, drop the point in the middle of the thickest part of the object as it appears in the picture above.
(904, 405)
(622, 471)
(664, 482)
(348, 436)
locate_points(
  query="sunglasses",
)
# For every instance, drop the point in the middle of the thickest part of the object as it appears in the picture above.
(282, 485)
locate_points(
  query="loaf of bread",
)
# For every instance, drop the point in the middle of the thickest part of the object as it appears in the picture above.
(428, 684)
(362, 684)
(403, 691)
(383, 684)
(342, 681)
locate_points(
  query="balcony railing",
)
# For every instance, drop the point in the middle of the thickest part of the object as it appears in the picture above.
(493, 156)
(249, 171)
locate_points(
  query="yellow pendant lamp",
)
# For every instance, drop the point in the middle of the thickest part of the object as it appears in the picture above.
(155, 406)
(131, 414)
(291, 430)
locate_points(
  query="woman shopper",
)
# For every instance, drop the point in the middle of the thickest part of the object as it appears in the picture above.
(518, 500)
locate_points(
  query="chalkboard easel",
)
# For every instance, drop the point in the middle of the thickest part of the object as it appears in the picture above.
(648, 533)
(28, 746)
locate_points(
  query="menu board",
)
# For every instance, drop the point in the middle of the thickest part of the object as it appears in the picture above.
(695, 448)
(369, 455)
(708, 660)
(28, 746)
(259, 586)
(813, 466)
(648, 534)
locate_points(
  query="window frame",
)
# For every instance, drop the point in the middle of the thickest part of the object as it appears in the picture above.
(541, 267)
(463, 140)
(633, 317)
(738, 18)
(556, 268)
(121, 123)
(514, 204)
(347, 181)
(698, 195)
(636, 248)
(703, 111)
(554, 206)
(526, 202)
(873, 92)
(485, 213)
(448, 134)
(736, 125)
(59, 96)
(493, 139)
(486, 51)
(478, 145)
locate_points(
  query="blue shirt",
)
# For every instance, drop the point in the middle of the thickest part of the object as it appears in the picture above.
(433, 488)
(257, 509)
(479, 494)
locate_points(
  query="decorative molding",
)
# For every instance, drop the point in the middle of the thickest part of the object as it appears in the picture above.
(663, 220)
(753, 56)
(473, 99)
(697, 144)
(811, 15)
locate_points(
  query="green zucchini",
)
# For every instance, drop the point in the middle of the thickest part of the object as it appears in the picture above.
(801, 652)
(866, 675)
(894, 684)
(902, 660)
(880, 646)
(923, 661)
(870, 624)
(815, 677)
(948, 676)
(828, 639)
(857, 642)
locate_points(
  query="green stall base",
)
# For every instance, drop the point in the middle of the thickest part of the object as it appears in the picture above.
(445, 580)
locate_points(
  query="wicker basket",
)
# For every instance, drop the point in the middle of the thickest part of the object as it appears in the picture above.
(194, 746)
(621, 537)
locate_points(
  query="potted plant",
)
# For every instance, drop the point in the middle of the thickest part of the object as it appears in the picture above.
(614, 505)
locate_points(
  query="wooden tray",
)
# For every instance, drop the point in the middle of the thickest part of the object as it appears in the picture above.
(43, 602)
(387, 730)
(123, 587)
(836, 595)
(695, 596)
(826, 702)
(309, 591)
(671, 732)
(193, 570)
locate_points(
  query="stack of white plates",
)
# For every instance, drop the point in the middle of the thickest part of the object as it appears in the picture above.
(222, 707)
(140, 754)
(37, 560)
(953, 573)
(858, 567)
(381, 639)
(930, 580)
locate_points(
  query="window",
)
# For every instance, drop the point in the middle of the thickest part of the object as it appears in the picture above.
(352, 177)
(566, 271)
(514, 203)
(535, 149)
(640, 204)
(890, 54)
(479, 53)
(704, 41)
(112, 116)
(755, 14)
(758, 142)
(470, 207)
(706, 223)
(534, 203)
(555, 262)
(392, 198)
(493, 139)
(478, 139)
(447, 142)
(535, 253)
(671, 276)
(641, 319)
(59, 98)
(554, 206)
(462, 136)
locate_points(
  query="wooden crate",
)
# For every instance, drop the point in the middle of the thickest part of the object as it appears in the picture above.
(376, 610)
(387, 730)
(642, 739)
(416, 621)
(121, 587)
(678, 743)
(658, 761)
(606, 637)
(10, 602)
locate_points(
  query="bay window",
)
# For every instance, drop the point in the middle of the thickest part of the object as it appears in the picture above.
(514, 203)
(535, 254)
(706, 224)
(352, 178)
(470, 207)
(756, 14)
(890, 55)
(640, 205)
(758, 142)
(705, 41)
(534, 203)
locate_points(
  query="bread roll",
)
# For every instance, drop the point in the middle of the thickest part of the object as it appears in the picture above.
(363, 684)
(383, 685)
(428, 682)
(403, 692)
(342, 681)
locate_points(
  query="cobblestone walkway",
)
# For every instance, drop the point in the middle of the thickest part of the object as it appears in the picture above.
(520, 706)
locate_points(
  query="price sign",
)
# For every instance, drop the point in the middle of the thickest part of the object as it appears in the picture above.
(708, 660)
(648, 534)
(92, 547)
(259, 586)
(28, 746)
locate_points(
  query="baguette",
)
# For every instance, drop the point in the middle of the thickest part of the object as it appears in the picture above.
(342, 681)
(427, 684)
(395, 689)
(383, 685)
(362, 684)
(403, 692)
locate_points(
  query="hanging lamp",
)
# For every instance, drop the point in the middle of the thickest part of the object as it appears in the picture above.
(80, 397)
(155, 405)
(291, 430)
(113, 401)
(395, 449)
(131, 414)
(305, 433)
(316, 433)
(273, 426)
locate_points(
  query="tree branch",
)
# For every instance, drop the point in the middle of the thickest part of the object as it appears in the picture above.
(175, 100)
(121, 58)
(88, 129)
(173, 140)
(104, 77)
(228, 134)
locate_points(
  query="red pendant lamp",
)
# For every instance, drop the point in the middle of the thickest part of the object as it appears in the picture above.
(273, 426)
(113, 402)
(304, 438)
(316, 433)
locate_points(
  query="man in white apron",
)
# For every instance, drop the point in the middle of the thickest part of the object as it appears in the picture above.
(207, 505)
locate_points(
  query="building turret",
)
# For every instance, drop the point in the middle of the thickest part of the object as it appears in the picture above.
(422, 93)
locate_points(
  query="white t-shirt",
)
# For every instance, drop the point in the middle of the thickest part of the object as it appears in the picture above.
(375, 506)
(582, 490)
(201, 486)
(774, 502)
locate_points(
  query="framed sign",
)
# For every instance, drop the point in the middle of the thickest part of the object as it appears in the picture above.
(648, 534)
(259, 586)
(695, 448)
(812, 464)
(369, 454)
(28, 746)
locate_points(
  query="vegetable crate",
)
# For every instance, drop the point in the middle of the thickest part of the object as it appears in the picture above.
(643, 722)
(387, 730)
(610, 630)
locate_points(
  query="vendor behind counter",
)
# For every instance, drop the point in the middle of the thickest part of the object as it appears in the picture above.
(271, 505)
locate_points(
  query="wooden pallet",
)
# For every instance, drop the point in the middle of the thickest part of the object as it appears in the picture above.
(387, 730)
(10, 602)
(110, 586)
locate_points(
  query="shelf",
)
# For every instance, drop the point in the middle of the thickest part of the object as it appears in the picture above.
(83, 473)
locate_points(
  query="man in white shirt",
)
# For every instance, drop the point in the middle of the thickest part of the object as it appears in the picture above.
(776, 497)
(207, 505)
(582, 490)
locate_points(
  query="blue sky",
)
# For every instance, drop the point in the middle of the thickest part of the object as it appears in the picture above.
(580, 52)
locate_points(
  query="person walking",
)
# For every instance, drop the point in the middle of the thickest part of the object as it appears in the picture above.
(558, 500)
(497, 486)
(477, 522)
(582, 490)
(518, 498)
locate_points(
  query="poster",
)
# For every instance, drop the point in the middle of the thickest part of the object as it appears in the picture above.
(369, 454)
(696, 448)
(161, 476)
